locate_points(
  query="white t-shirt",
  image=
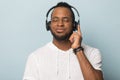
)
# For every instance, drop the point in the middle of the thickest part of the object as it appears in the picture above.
(51, 63)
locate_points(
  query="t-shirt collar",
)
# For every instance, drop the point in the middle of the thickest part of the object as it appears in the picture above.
(52, 46)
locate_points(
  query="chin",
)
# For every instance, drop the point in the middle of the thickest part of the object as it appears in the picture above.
(61, 36)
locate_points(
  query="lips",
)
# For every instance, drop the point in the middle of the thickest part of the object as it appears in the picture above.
(59, 30)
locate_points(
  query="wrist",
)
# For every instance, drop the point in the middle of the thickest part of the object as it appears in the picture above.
(78, 49)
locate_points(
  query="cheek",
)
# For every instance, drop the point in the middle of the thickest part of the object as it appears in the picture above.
(70, 28)
(52, 29)
(51, 26)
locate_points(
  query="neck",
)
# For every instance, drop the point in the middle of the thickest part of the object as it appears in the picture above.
(63, 45)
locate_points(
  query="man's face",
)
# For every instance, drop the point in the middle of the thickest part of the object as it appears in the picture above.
(61, 23)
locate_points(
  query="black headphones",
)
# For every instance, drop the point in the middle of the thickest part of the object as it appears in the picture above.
(63, 4)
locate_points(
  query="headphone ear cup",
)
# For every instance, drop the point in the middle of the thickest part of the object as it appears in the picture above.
(48, 25)
(75, 26)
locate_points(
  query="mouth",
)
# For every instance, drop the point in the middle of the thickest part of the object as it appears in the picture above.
(60, 30)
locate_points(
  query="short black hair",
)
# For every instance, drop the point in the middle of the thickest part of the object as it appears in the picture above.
(66, 5)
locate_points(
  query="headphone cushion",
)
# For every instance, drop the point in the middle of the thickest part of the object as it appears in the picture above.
(75, 26)
(48, 25)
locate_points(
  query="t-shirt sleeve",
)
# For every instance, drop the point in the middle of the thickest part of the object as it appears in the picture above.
(96, 59)
(31, 71)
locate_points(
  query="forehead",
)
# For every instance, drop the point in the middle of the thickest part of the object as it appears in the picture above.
(61, 11)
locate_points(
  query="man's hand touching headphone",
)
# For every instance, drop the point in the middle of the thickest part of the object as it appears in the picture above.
(76, 38)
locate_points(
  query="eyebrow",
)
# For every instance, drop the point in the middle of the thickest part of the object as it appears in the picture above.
(62, 17)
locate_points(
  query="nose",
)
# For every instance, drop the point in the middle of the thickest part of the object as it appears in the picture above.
(60, 23)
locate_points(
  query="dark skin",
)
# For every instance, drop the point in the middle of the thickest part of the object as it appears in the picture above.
(62, 25)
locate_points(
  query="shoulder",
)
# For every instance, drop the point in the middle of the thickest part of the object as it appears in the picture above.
(91, 51)
(40, 51)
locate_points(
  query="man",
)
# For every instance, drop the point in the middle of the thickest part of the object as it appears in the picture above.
(66, 57)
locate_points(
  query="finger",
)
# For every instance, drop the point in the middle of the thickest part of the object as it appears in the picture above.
(79, 31)
(71, 38)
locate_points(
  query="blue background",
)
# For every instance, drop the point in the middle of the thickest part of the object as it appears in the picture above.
(22, 30)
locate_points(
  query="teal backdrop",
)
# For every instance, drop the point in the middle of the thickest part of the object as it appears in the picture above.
(22, 30)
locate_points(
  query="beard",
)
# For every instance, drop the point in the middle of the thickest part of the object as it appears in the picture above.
(61, 37)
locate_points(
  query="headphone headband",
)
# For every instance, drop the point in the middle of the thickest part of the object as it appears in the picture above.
(49, 11)
(77, 14)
